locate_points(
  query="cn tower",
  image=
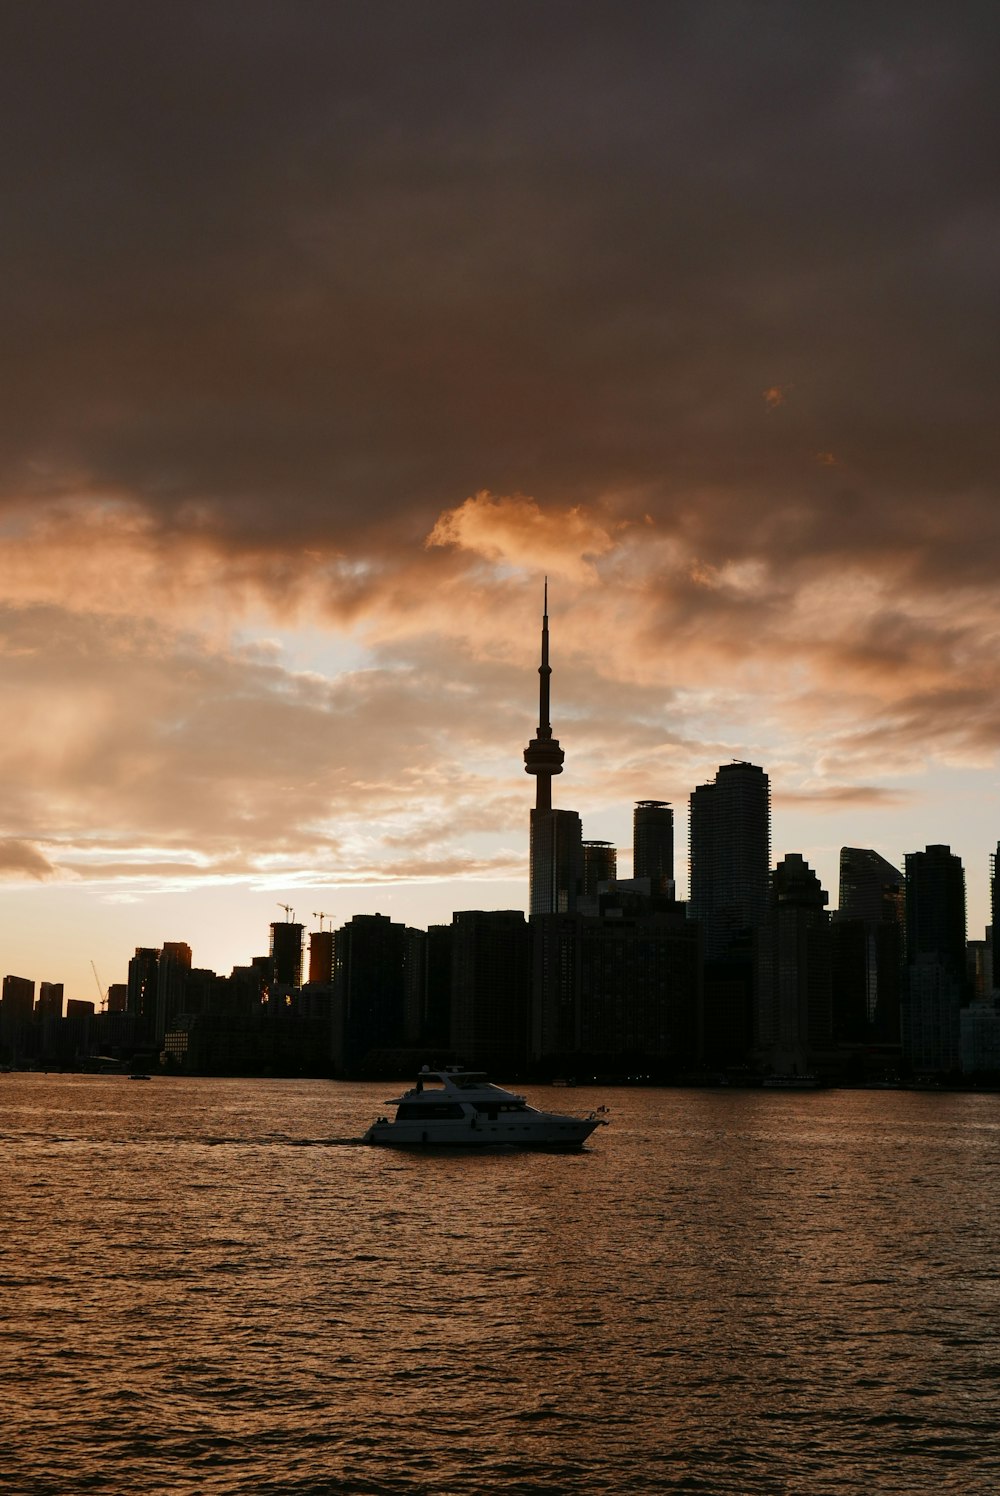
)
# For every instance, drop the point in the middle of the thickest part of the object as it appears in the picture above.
(543, 756)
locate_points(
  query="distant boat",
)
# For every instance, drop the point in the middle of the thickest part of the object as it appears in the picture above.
(140, 1077)
(790, 1083)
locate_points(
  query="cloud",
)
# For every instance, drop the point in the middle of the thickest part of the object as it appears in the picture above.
(518, 532)
(21, 859)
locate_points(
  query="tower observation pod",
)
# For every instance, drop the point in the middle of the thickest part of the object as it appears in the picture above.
(543, 756)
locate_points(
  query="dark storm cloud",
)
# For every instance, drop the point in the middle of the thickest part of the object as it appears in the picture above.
(318, 272)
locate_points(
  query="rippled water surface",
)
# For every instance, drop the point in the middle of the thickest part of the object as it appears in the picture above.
(738, 1292)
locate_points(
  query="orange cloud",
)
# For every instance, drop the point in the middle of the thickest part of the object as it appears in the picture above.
(774, 395)
(516, 531)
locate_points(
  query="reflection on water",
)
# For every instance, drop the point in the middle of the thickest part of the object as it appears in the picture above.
(728, 1292)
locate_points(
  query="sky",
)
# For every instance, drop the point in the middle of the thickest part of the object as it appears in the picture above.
(329, 329)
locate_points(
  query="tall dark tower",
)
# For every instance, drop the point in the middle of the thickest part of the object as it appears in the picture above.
(543, 756)
(730, 843)
(653, 843)
(556, 835)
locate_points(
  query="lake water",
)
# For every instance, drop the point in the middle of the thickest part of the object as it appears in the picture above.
(727, 1292)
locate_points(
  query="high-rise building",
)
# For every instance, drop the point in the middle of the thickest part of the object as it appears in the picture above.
(286, 953)
(321, 956)
(935, 959)
(867, 949)
(369, 973)
(142, 988)
(556, 871)
(620, 991)
(730, 847)
(870, 887)
(490, 988)
(653, 844)
(50, 1000)
(172, 972)
(794, 990)
(600, 865)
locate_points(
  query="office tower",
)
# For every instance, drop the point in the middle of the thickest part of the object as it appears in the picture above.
(490, 988)
(867, 949)
(286, 953)
(935, 959)
(870, 887)
(619, 992)
(556, 856)
(50, 1000)
(653, 844)
(172, 972)
(600, 865)
(730, 847)
(142, 986)
(794, 990)
(935, 907)
(321, 956)
(369, 976)
(118, 997)
(993, 933)
(18, 998)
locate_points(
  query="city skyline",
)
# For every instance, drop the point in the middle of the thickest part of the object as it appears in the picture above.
(687, 309)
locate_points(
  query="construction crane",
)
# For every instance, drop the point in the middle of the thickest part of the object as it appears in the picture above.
(289, 911)
(321, 915)
(100, 990)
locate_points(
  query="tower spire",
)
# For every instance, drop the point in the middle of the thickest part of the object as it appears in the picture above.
(543, 756)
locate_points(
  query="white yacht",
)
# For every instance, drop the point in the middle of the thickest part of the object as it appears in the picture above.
(460, 1108)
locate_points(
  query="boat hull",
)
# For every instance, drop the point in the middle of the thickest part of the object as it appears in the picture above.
(559, 1134)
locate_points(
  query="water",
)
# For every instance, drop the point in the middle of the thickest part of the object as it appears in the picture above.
(728, 1292)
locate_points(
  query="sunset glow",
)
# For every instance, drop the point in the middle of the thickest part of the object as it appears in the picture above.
(309, 382)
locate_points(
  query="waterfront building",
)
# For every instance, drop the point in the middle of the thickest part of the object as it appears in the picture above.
(320, 956)
(286, 952)
(979, 1038)
(369, 989)
(556, 852)
(490, 989)
(730, 854)
(172, 972)
(935, 958)
(142, 990)
(653, 843)
(867, 949)
(794, 1030)
(50, 1000)
(619, 992)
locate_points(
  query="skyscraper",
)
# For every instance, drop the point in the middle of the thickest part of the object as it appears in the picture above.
(556, 856)
(730, 846)
(653, 843)
(867, 949)
(600, 865)
(935, 958)
(794, 997)
(870, 887)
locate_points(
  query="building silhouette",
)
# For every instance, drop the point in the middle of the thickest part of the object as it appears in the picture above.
(600, 865)
(490, 988)
(320, 956)
(172, 973)
(730, 847)
(653, 843)
(143, 970)
(794, 988)
(556, 853)
(619, 991)
(935, 988)
(286, 953)
(867, 950)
